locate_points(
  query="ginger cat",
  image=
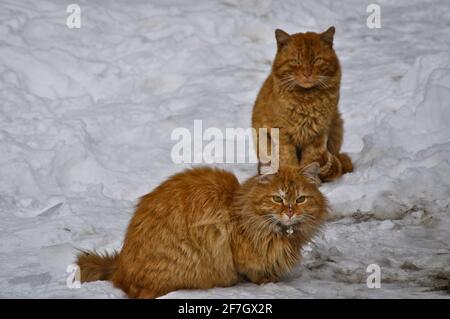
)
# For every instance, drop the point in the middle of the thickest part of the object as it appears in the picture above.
(300, 97)
(201, 228)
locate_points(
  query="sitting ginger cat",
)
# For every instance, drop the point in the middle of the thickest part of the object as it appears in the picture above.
(300, 97)
(202, 229)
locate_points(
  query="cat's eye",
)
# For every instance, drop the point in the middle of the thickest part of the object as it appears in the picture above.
(277, 199)
(301, 199)
(295, 62)
(318, 60)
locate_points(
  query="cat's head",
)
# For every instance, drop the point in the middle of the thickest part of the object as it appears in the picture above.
(306, 60)
(288, 201)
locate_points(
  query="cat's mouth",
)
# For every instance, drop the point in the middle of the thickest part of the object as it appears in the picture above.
(292, 225)
(306, 83)
(285, 225)
(282, 220)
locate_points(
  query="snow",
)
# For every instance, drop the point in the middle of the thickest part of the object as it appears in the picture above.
(87, 114)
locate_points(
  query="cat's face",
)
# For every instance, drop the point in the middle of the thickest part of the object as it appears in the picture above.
(288, 200)
(306, 60)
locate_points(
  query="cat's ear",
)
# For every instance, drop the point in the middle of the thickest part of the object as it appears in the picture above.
(311, 171)
(328, 36)
(282, 37)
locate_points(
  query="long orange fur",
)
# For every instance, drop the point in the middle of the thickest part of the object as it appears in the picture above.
(201, 229)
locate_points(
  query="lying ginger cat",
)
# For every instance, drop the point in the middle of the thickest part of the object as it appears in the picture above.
(201, 228)
(300, 97)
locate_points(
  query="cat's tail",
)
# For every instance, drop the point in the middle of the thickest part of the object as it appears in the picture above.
(96, 266)
(346, 162)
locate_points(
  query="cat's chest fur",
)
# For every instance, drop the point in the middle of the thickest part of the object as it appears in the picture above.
(270, 257)
(305, 115)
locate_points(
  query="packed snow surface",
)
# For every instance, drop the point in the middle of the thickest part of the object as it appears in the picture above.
(86, 117)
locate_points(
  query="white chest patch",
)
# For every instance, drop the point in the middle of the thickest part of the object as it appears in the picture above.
(289, 231)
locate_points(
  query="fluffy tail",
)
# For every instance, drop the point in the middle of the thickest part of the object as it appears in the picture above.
(346, 162)
(96, 266)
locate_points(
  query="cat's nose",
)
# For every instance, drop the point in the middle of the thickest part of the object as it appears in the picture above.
(289, 212)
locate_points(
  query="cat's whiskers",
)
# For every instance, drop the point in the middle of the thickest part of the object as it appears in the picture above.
(257, 227)
(308, 216)
(287, 82)
(322, 84)
(261, 227)
(310, 222)
(324, 81)
(309, 227)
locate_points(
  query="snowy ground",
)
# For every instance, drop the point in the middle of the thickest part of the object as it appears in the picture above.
(86, 116)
